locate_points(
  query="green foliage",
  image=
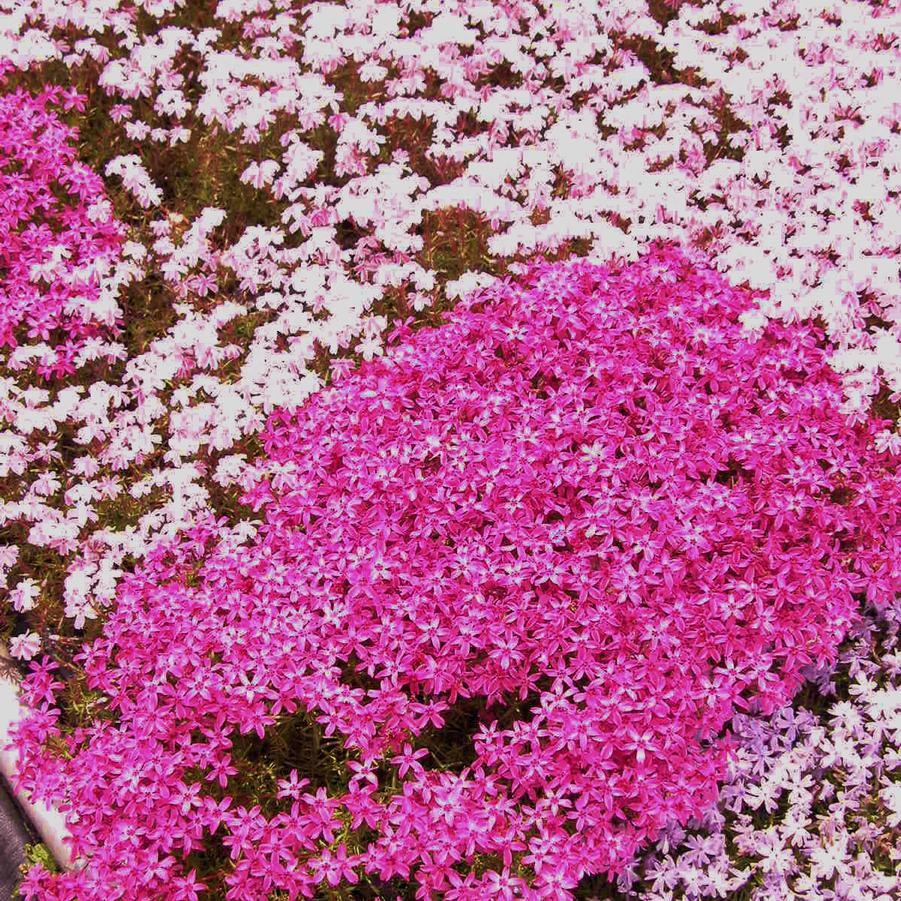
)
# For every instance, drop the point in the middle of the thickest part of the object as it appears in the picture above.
(37, 855)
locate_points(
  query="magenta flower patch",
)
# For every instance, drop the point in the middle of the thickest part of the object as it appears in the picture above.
(572, 531)
(58, 237)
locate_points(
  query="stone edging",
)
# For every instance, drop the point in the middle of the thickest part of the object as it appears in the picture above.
(47, 822)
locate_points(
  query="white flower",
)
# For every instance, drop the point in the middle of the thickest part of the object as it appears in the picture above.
(24, 647)
(24, 595)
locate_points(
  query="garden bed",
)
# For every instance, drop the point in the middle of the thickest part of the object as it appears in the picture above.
(451, 449)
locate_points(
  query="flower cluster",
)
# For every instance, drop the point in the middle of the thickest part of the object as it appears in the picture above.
(58, 239)
(296, 178)
(298, 175)
(812, 807)
(764, 130)
(514, 580)
(61, 270)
